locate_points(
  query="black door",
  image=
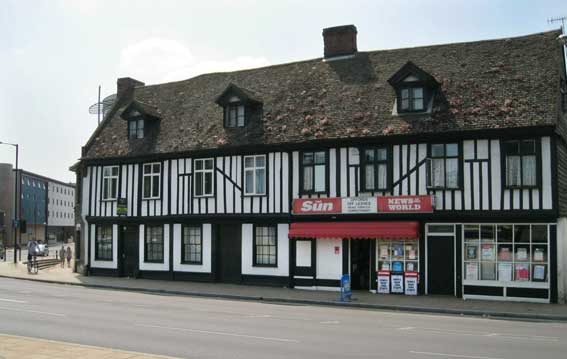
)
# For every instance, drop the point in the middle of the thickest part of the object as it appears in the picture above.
(130, 255)
(360, 263)
(229, 249)
(441, 265)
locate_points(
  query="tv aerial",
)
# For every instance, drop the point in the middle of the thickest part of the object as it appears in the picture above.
(562, 19)
(102, 107)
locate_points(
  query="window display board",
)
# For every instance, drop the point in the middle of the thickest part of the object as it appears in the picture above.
(396, 258)
(506, 255)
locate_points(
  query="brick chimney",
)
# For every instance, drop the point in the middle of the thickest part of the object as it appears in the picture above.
(125, 86)
(340, 41)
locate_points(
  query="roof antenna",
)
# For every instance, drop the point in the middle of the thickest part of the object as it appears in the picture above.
(101, 107)
(562, 19)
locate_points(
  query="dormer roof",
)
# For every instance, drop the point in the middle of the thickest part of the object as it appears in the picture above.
(414, 73)
(137, 108)
(233, 93)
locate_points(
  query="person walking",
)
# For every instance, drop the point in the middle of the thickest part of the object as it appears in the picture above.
(62, 256)
(32, 252)
(69, 257)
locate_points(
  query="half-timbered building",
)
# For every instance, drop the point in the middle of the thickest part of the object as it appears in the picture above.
(429, 170)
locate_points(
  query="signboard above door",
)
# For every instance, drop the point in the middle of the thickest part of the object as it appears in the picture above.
(363, 205)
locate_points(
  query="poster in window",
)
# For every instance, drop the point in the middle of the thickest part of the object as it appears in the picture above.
(539, 255)
(522, 272)
(488, 271)
(471, 271)
(411, 252)
(385, 266)
(539, 273)
(471, 252)
(487, 252)
(521, 254)
(397, 267)
(411, 267)
(505, 272)
(504, 254)
(384, 251)
(398, 250)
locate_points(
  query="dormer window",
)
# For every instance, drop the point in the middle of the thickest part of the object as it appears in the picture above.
(136, 128)
(415, 90)
(240, 106)
(234, 115)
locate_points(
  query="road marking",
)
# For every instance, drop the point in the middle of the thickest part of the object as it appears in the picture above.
(220, 333)
(12, 300)
(259, 316)
(441, 331)
(330, 322)
(406, 328)
(32, 311)
(452, 355)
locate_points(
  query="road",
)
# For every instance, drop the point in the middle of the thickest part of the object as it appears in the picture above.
(210, 328)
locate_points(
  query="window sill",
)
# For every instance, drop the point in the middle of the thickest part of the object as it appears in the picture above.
(444, 188)
(265, 265)
(103, 260)
(192, 263)
(521, 187)
(205, 196)
(254, 195)
(154, 262)
(301, 193)
(150, 198)
(108, 200)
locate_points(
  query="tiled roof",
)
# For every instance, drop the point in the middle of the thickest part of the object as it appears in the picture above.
(484, 85)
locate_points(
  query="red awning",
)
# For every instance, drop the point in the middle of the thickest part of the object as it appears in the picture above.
(364, 230)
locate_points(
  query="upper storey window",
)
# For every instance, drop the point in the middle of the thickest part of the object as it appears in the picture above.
(521, 163)
(239, 106)
(414, 88)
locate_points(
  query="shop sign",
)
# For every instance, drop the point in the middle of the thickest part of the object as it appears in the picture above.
(362, 205)
(397, 283)
(317, 206)
(383, 282)
(122, 207)
(405, 204)
(411, 283)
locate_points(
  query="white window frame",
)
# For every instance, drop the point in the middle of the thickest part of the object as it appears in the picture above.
(152, 176)
(107, 183)
(254, 168)
(204, 171)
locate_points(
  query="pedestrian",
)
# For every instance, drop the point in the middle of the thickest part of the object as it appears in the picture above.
(69, 257)
(32, 252)
(62, 256)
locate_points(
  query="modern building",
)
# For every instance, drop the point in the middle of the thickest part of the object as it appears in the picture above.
(427, 170)
(45, 205)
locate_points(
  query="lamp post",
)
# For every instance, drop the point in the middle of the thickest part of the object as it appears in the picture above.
(15, 199)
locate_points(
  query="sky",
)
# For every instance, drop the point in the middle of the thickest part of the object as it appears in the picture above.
(55, 53)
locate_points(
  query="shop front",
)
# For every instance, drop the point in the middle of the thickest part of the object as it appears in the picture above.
(380, 256)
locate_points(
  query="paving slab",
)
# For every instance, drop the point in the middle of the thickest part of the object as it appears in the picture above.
(33, 348)
(361, 299)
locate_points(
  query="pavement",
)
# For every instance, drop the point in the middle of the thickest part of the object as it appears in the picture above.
(361, 299)
(192, 327)
(12, 346)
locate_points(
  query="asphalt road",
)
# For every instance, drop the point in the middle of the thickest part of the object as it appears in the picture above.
(208, 328)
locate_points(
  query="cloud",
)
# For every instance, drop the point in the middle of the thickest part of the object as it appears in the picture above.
(157, 60)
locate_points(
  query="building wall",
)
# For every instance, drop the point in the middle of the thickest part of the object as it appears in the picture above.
(113, 264)
(248, 267)
(7, 202)
(61, 205)
(205, 266)
(34, 197)
(329, 262)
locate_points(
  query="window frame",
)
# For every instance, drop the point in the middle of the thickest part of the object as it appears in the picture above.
(184, 260)
(146, 231)
(536, 154)
(98, 230)
(204, 172)
(255, 249)
(429, 164)
(236, 106)
(411, 86)
(151, 175)
(375, 164)
(254, 169)
(135, 122)
(302, 166)
(110, 179)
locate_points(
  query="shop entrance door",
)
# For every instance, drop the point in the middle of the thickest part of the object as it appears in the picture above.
(129, 251)
(360, 264)
(230, 249)
(441, 265)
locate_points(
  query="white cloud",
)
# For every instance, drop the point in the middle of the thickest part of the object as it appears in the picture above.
(157, 60)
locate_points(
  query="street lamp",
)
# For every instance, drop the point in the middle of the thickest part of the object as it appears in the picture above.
(15, 198)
